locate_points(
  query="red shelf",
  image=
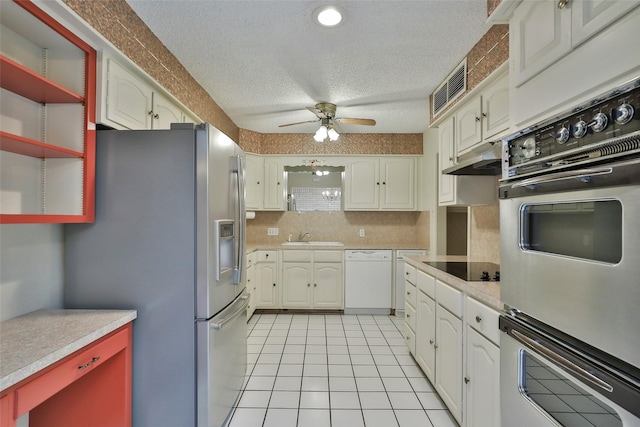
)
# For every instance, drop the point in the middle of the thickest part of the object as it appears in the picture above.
(24, 82)
(32, 148)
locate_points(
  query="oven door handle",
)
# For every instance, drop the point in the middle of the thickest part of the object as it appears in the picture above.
(583, 175)
(562, 361)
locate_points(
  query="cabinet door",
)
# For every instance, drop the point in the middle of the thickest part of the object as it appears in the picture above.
(398, 183)
(267, 287)
(446, 183)
(253, 293)
(165, 112)
(254, 179)
(327, 285)
(129, 100)
(539, 35)
(273, 189)
(482, 400)
(296, 285)
(589, 17)
(449, 360)
(426, 335)
(362, 184)
(495, 108)
(468, 126)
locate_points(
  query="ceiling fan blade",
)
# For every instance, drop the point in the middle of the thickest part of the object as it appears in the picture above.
(298, 123)
(365, 122)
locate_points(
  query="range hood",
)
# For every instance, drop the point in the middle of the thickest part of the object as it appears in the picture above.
(485, 160)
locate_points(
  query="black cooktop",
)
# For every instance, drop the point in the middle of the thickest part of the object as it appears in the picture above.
(469, 271)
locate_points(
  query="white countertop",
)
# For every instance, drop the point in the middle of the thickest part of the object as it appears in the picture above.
(36, 340)
(486, 292)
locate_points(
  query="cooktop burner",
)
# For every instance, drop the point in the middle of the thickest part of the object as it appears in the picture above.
(469, 271)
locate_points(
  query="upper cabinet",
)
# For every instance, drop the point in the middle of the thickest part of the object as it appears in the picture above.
(131, 102)
(563, 53)
(265, 185)
(483, 117)
(380, 183)
(47, 115)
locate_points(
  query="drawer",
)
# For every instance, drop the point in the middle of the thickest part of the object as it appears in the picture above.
(410, 316)
(296, 256)
(264, 256)
(410, 339)
(483, 319)
(76, 366)
(449, 298)
(327, 256)
(410, 273)
(426, 284)
(410, 296)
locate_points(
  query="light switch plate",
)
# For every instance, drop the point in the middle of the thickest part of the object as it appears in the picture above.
(272, 231)
(362, 232)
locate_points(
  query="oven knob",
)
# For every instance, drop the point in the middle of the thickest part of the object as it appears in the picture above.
(599, 122)
(580, 129)
(623, 114)
(562, 136)
(485, 276)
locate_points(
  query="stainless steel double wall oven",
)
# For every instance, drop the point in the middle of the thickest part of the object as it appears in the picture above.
(570, 265)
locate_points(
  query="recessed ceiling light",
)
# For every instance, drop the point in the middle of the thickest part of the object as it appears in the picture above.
(329, 16)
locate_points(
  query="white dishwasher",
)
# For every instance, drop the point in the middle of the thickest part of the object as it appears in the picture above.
(368, 279)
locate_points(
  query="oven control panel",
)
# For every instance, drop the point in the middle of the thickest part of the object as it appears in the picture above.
(590, 132)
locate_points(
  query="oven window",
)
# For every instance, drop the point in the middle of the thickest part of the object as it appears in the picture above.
(560, 398)
(586, 230)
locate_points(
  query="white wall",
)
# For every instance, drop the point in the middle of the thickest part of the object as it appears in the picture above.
(31, 268)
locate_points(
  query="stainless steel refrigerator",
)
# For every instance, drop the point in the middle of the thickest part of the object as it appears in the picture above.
(168, 241)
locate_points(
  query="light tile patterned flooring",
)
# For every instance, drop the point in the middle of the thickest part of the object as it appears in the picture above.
(334, 371)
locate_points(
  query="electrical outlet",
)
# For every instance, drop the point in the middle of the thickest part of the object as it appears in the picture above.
(362, 232)
(272, 231)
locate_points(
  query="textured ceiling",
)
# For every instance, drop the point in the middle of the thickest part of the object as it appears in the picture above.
(264, 61)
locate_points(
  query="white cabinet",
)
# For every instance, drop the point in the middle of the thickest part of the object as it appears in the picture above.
(132, 103)
(251, 285)
(47, 119)
(483, 117)
(482, 367)
(449, 360)
(410, 309)
(542, 34)
(265, 188)
(385, 183)
(266, 277)
(460, 189)
(425, 353)
(312, 279)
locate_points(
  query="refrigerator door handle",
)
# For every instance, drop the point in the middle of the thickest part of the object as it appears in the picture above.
(239, 264)
(220, 324)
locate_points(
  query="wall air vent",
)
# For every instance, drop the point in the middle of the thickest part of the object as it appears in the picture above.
(453, 86)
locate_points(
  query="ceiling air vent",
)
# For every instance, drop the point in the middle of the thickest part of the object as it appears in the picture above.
(454, 85)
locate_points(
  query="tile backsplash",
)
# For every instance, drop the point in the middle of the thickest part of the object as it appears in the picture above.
(392, 228)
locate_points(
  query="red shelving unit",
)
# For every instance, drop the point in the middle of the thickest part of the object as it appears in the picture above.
(61, 169)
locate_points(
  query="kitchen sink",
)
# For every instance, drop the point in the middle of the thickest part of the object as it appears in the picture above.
(312, 243)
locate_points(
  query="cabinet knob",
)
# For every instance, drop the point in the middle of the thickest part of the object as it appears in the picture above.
(478, 319)
(309, 284)
(477, 119)
(156, 116)
(562, 4)
(466, 380)
(406, 273)
(408, 315)
(274, 284)
(258, 183)
(407, 337)
(431, 342)
(150, 112)
(435, 346)
(266, 255)
(408, 293)
(484, 115)
(377, 183)
(315, 285)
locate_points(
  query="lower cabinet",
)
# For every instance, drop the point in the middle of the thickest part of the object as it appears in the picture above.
(456, 344)
(482, 367)
(266, 279)
(251, 285)
(312, 279)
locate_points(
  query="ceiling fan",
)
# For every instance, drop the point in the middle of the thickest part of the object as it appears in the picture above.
(326, 113)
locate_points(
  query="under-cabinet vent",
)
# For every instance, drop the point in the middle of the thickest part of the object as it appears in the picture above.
(453, 86)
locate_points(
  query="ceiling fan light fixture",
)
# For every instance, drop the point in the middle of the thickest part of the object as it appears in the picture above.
(328, 16)
(321, 134)
(332, 134)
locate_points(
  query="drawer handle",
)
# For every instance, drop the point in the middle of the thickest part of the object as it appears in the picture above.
(478, 319)
(89, 363)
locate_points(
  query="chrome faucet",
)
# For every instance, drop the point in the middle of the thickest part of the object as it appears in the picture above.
(301, 236)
